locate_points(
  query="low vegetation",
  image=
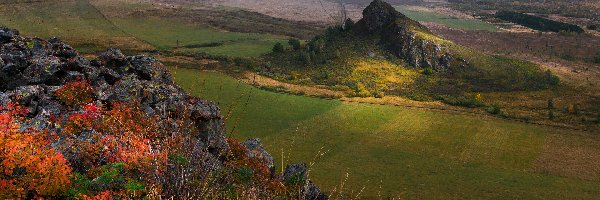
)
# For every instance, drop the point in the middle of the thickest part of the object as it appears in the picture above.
(568, 8)
(452, 22)
(538, 23)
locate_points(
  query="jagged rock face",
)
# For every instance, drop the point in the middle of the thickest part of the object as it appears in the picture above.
(417, 52)
(31, 70)
(398, 34)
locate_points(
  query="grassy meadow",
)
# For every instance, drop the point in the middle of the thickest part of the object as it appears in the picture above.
(430, 154)
(88, 28)
(197, 38)
(76, 22)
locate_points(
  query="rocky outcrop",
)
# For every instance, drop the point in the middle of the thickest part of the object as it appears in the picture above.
(32, 70)
(405, 38)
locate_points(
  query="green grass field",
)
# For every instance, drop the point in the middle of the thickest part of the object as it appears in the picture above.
(417, 154)
(452, 22)
(74, 21)
(164, 34)
(84, 26)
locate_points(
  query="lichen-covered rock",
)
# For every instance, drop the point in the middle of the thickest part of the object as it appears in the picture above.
(32, 70)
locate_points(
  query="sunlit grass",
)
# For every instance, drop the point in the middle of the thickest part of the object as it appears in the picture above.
(415, 153)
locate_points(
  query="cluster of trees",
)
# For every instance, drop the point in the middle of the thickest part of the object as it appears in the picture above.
(537, 23)
(309, 53)
(315, 50)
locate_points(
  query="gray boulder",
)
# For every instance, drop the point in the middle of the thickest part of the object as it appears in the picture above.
(255, 149)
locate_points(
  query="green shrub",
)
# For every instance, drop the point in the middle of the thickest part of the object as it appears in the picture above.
(550, 103)
(551, 115)
(304, 58)
(551, 79)
(134, 186)
(428, 71)
(316, 44)
(348, 24)
(278, 47)
(495, 109)
(464, 101)
(244, 175)
(295, 43)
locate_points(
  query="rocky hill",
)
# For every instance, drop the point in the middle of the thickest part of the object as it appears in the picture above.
(119, 126)
(406, 38)
(388, 53)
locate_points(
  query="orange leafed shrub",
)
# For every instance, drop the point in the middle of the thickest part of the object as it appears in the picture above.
(128, 135)
(123, 134)
(78, 93)
(27, 162)
(261, 176)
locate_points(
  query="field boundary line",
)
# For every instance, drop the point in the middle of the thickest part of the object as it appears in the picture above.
(114, 25)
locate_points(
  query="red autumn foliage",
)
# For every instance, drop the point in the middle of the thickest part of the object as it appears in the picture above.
(237, 159)
(122, 134)
(95, 137)
(27, 162)
(78, 93)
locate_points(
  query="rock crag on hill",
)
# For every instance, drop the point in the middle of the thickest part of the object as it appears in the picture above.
(406, 38)
(32, 70)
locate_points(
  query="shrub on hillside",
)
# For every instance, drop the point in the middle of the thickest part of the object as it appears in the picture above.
(464, 101)
(495, 109)
(76, 94)
(317, 44)
(122, 153)
(295, 43)
(305, 58)
(29, 166)
(551, 79)
(278, 47)
(348, 24)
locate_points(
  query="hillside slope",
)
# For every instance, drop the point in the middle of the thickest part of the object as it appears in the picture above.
(119, 127)
(384, 42)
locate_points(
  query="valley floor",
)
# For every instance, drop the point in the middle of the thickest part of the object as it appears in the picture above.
(354, 147)
(363, 150)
